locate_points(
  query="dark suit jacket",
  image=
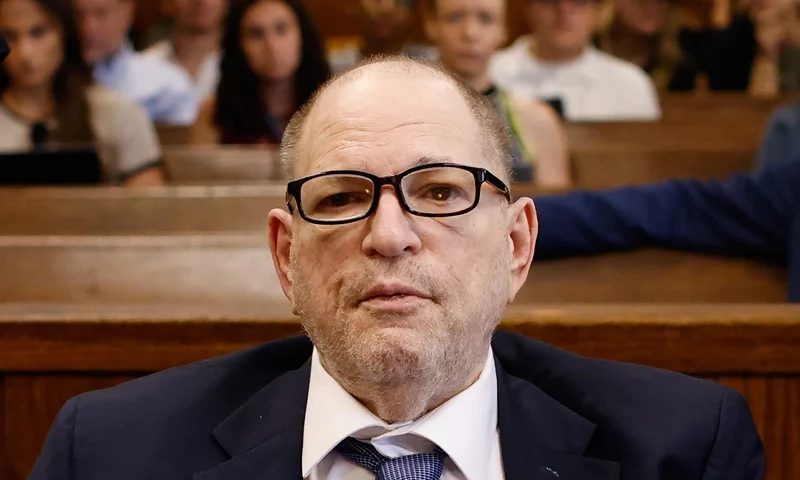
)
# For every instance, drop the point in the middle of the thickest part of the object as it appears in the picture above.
(240, 417)
(746, 216)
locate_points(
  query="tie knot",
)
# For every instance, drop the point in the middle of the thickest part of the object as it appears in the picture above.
(420, 466)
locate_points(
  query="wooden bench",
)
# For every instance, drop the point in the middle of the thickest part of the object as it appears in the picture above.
(619, 154)
(50, 353)
(236, 268)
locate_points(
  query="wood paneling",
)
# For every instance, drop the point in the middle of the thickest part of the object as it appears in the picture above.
(32, 402)
(225, 268)
(50, 353)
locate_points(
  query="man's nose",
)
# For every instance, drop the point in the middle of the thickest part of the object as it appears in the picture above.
(471, 30)
(391, 228)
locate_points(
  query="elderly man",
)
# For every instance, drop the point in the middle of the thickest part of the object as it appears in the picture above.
(399, 253)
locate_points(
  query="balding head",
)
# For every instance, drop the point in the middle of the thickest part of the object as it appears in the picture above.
(390, 91)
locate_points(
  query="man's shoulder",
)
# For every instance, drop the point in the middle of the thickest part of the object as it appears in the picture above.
(151, 69)
(204, 391)
(610, 393)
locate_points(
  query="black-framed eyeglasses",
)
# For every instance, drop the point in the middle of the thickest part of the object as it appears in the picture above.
(433, 190)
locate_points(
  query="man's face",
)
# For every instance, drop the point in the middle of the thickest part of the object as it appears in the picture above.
(271, 40)
(456, 272)
(647, 17)
(386, 19)
(564, 25)
(102, 26)
(37, 49)
(199, 15)
(467, 33)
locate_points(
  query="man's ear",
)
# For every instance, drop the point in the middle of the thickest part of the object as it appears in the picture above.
(523, 227)
(280, 245)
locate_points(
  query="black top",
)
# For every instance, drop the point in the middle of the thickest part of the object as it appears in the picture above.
(726, 56)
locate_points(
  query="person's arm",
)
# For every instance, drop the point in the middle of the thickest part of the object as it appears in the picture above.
(742, 216)
(204, 132)
(138, 157)
(737, 453)
(56, 460)
(544, 132)
(152, 176)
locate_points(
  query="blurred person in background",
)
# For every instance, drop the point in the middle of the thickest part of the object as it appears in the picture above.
(739, 45)
(385, 29)
(467, 33)
(165, 91)
(776, 67)
(273, 60)
(559, 62)
(49, 98)
(194, 42)
(645, 33)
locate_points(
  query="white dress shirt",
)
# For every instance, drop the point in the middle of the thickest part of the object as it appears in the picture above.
(465, 427)
(207, 78)
(594, 87)
(163, 90)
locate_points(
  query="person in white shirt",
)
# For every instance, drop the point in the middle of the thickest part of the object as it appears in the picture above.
(560, 63)
(194, 42)
(165, 91)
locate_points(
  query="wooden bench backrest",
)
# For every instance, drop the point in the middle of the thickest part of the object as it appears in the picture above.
(231, 269)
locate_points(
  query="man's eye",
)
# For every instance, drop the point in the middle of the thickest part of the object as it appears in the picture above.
(338, 200)
(441, 193)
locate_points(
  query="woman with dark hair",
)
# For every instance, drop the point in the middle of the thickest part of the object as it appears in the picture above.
(273, 61)
(47, 96)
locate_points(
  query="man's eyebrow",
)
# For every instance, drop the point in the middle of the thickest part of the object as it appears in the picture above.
(427, 160)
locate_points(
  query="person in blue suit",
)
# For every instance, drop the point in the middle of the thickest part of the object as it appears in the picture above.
(400, 251)
(747, 215)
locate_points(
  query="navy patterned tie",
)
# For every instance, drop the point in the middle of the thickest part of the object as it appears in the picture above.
(420, 466)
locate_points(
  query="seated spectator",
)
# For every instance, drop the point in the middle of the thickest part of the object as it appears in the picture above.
(164, 90)
(386, 26)
(781, 140)
(776, 66)
(467, 33)
(754, 216)
(273, 60)
(49, 91)
(560, 62)
(643, 32)
(194, 42)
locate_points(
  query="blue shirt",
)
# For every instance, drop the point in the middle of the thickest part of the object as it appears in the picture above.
(755, 216)
(165, 91)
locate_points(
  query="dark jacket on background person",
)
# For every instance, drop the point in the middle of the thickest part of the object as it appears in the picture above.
(747, 215)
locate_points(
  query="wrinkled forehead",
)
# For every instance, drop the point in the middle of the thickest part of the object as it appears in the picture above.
(384, 124)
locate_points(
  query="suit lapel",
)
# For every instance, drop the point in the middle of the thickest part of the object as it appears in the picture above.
(540, 439)
(264, 437)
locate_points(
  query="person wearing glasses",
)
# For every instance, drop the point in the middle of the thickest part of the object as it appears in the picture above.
(49, 100)
(400, 251)
(560, 63)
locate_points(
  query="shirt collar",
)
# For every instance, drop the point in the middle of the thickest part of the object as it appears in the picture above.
(465, 426)
(110, 70)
